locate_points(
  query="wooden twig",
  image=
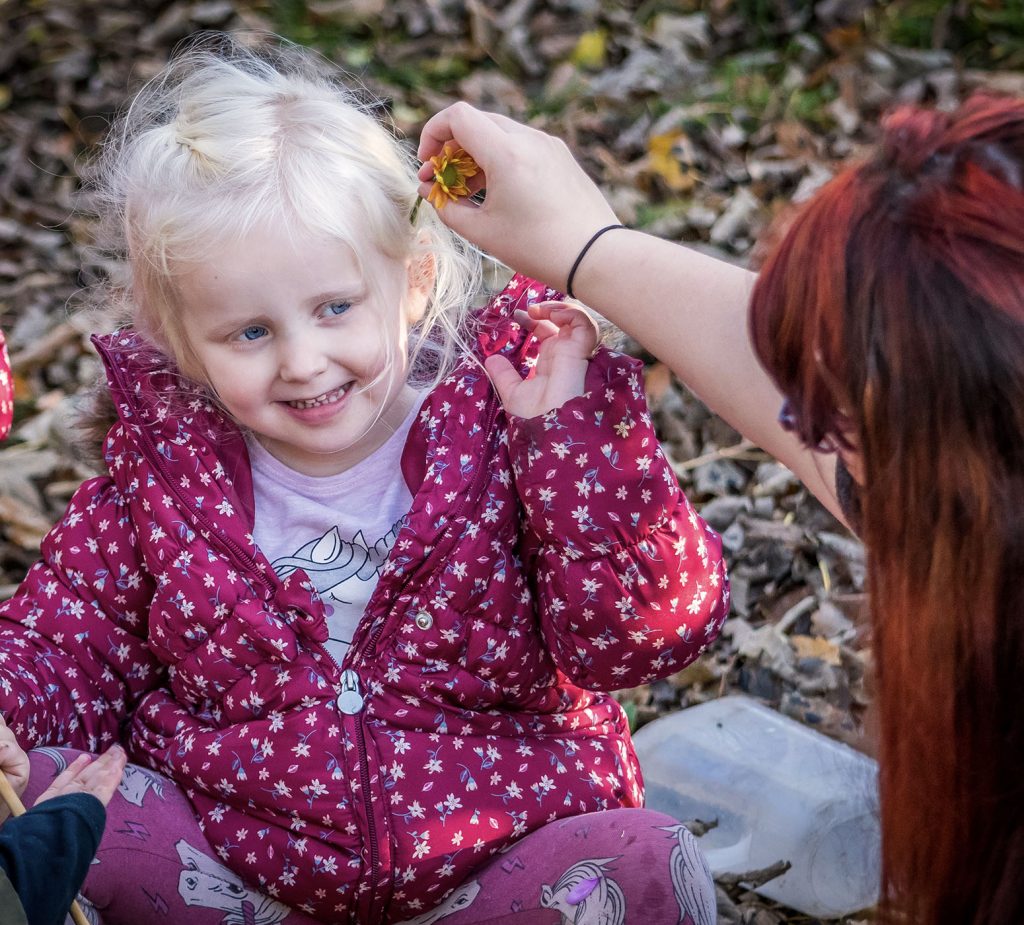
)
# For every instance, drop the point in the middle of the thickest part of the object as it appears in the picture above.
(728, 452)
(754, 878)
(45, 348)
(17, 808)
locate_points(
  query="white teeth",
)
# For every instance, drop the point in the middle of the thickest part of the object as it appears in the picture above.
(326, 399)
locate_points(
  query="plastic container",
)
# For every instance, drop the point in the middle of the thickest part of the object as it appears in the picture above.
(780, 791)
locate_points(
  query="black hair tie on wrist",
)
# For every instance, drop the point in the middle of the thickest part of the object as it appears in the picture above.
(582, 254)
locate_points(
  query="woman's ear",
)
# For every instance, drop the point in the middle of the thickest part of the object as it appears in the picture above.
(421, 270)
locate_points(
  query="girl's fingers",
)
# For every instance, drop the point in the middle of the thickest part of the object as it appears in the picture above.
(504, 377)
(564, 315)
(544, 309)
(560, 313)
(541, 328)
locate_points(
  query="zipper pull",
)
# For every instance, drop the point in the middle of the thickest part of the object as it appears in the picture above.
(350, 700)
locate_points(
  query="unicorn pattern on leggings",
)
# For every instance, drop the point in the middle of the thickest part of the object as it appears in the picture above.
(207, 883)
(689, 870)
(586, 895)
(137, 782)
(88, 910)
(460, 898)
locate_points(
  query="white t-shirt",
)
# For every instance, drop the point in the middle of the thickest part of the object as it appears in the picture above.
(339, 529)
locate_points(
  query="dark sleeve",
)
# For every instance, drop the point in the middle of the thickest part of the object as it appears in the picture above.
(11, 910)
(47, 852)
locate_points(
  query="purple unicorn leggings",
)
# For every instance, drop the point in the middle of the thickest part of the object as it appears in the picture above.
(618, 867)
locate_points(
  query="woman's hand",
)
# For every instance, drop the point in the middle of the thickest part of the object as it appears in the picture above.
(13, 763)
(568, 336)
(540, 208)
(98, 776)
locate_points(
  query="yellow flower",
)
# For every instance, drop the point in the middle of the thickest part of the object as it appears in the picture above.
(452, 168)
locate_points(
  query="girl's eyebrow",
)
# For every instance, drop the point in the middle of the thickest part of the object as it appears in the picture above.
(346, 293)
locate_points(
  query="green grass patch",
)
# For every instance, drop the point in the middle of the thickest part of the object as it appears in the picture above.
(756, 88)
(982, 33)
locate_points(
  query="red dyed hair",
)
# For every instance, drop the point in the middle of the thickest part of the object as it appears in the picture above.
(892, 316)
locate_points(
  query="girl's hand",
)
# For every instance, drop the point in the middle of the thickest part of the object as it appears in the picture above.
(13, 763)
(98, 776)
(540, 208)
(568, 336)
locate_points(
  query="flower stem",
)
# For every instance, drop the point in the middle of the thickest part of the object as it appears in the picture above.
(415, 210)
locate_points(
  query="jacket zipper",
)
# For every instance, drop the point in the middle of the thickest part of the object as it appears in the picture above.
(360, 730)
(349, 677)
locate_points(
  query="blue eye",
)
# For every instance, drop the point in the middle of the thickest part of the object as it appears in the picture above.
(253, 332)
(337, 308)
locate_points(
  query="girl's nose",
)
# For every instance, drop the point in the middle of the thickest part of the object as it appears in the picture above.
(301, 360)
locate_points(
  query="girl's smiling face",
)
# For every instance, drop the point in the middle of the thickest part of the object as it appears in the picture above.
(302, 346)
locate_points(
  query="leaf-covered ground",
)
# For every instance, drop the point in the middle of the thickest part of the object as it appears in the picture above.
(702, 121)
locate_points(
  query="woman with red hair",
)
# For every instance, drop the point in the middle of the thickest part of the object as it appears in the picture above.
(889, 326)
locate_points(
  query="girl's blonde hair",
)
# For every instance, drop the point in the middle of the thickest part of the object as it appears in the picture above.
(229, 137)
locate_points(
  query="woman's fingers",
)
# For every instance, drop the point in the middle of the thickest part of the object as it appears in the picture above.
(540, 207)
(101, 777)
(473, 129)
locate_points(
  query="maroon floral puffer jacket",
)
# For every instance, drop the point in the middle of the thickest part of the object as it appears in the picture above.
(543, 562)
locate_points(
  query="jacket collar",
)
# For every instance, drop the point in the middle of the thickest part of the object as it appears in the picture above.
(149, 392)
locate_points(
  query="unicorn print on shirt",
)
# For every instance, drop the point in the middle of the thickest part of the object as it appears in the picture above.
(336, 566)
(344, 573)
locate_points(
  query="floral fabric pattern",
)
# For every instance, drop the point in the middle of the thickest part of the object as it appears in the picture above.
(6, 390)
(543, 563)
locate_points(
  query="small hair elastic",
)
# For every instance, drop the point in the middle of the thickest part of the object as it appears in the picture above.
(582, 254)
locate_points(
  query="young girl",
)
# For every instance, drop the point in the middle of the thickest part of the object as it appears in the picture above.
(352, 612)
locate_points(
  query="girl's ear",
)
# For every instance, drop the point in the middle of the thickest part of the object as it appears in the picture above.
(421, 270)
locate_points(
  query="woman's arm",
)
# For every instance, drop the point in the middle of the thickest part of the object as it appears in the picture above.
(688, 309)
